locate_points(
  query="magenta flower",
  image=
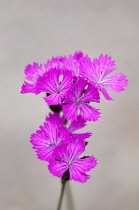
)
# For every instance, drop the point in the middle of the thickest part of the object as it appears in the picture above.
(55, 119)
(96, 70)
(32, 73)
(66, 158)
(76, 125)
(78, 55)
(77, 101)
(72, 62)
(55, 62)
(47, 138)
(82, 136)
(55, 86)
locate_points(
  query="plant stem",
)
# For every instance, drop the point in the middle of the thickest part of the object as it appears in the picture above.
(63, 182)
(69, 198)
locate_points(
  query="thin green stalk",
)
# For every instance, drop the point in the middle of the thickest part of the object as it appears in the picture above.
(63, 182)
(69, 197)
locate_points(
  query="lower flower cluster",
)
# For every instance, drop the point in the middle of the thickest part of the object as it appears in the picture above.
(70, 84)
(61, 147)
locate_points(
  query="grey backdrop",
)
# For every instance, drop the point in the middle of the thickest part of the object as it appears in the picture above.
(34, 31)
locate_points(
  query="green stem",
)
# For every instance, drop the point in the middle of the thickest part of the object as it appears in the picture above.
(69, 198)
(63, 182)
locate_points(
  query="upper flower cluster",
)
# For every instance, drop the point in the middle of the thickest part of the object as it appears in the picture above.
(73, 82)
(70, 84)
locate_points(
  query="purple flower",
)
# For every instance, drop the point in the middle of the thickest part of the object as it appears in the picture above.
(96, 70)
(55, 119)
(55, 62)
(78, 55)
(47, 138)
(77, 101)
(32, 73)
(76, 125)
(67, 158)
(72, 62)
(55, 86)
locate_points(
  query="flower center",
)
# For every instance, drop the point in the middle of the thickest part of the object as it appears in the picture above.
(58, 89)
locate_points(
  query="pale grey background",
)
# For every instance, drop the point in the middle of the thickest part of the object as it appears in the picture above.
(34, 31)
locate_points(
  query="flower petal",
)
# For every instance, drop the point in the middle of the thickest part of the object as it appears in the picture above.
(77, 124)
(117, 82)
(54, 99)
(70, 111)
(32, 70)
(89, 113)
(55, 119)
(27, 88)
(57, 168)
(80, 166)
(48, 138)
(82, 136)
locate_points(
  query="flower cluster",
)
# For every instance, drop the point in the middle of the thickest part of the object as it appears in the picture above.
(70, 83)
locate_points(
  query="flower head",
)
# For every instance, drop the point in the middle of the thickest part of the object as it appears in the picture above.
(47, 138)
(66, 157)
(77, 101)
(55, 86)
(72, 62)
(96, 70)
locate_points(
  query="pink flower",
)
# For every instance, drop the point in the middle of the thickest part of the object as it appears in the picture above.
(47, 138)
(54, 86)
(55, 119)
(66, 159)
(55, 62)
(96, 70)
(32, 73)
(77, 101)
(72, 62)
(78, 55)
(76, 125)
